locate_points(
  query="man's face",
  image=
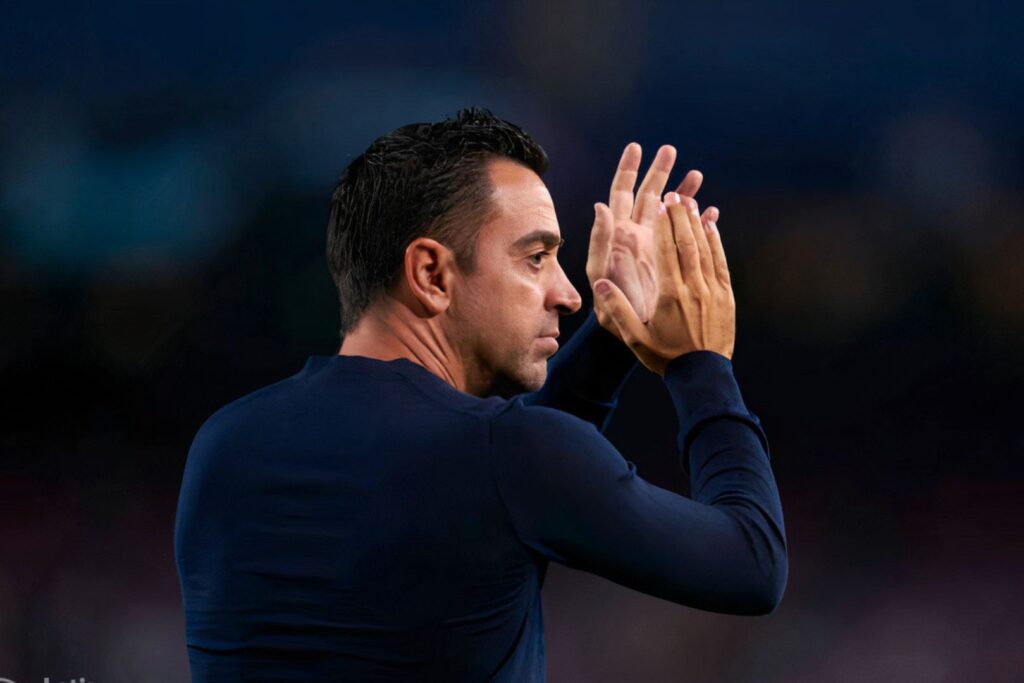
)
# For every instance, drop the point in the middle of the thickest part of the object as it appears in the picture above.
(505, 314)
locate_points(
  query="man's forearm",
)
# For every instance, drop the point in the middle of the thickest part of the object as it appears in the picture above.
(725, 449)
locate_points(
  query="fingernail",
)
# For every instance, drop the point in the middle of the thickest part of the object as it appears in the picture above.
(672, 198)
(602, 288)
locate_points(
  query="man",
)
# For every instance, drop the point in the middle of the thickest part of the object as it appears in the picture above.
(388, 513)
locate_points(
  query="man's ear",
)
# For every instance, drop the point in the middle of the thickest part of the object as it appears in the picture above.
(429, 273)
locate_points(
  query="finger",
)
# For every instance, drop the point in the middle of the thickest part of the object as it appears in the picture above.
(691, 184)
(600, 241)
(683, 246)
(620, 199)
(654, 184)
(718, 254)
(710, 215)
(614, 306)
(647, 208)
(707, 267)
(671, 270)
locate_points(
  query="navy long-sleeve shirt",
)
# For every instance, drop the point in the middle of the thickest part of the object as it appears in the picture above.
(364, 520)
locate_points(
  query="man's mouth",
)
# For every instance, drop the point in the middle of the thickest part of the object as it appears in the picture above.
(549, 341)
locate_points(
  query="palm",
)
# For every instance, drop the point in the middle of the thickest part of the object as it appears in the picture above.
(631, 265)
(622, 247)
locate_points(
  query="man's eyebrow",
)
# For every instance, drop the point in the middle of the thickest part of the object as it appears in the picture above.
(546, 237)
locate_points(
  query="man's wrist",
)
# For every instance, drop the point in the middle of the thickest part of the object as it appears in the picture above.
(702, 384)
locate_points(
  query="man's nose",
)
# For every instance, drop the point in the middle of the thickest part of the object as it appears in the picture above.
(566, 299)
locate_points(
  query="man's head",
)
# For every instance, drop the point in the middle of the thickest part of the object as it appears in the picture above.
(439, 212)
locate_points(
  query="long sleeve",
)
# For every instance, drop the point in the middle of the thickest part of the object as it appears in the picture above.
(587, 375)
(572, 498)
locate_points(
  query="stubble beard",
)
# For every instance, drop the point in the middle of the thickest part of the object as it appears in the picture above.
(522, 374)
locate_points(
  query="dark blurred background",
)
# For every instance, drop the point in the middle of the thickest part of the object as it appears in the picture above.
(165, 172)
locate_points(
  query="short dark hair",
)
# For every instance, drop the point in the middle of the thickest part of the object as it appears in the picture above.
(420, 180)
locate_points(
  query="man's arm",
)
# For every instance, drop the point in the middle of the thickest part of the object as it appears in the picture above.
(572, 498)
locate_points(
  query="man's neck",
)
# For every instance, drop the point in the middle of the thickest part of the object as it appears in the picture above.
(388, 330)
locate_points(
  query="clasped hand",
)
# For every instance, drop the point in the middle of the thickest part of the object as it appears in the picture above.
(657, 267)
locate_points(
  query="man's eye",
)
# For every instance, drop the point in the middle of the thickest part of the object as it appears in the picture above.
(538, 258)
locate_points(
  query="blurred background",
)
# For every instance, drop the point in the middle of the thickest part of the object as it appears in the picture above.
(165, 173)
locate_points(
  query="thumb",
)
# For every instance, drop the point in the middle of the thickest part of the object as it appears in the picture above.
(612, 306)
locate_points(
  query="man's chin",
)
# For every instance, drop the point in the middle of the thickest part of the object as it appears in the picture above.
(508, 386)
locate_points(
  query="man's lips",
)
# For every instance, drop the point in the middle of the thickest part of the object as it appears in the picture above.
(551, 340)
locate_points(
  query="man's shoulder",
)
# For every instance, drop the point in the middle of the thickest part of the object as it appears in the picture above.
(526, 422)
(238, 416)
(542, 451)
